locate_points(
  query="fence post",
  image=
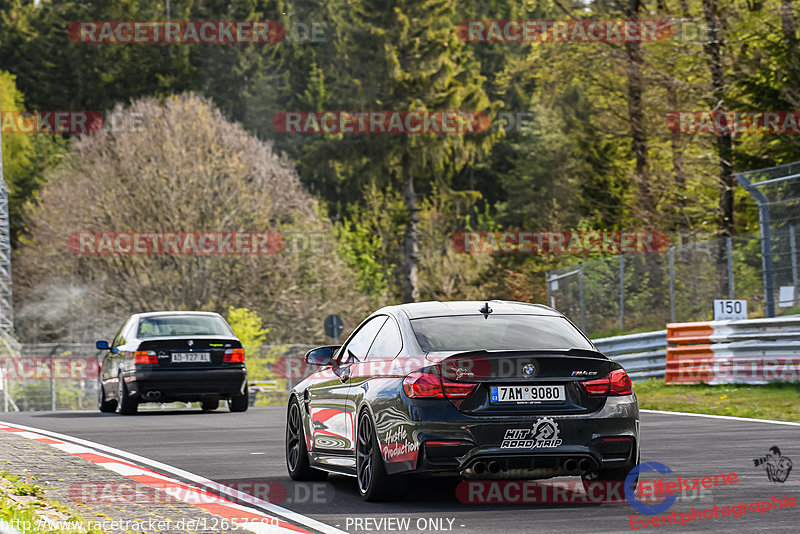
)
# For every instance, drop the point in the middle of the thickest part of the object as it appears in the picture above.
(793, 245)
(729, 244)
(52, 383)
(53, 378)
(766, 243)
(547, 285)
(622, 291)
(672, 284)
(580, 290)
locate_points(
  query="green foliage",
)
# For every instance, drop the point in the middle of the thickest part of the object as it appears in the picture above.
(17, 148)
(359, 247)
(571, 165)
(193, 171)
(369, 241)
(246, 324)
(25, 156)
(23, 485)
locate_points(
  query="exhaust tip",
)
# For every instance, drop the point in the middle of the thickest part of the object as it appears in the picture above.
(494, 467)
(585, 464)
(479, 468)
(570, 465)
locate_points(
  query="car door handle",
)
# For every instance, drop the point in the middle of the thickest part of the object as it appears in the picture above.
(345, 375)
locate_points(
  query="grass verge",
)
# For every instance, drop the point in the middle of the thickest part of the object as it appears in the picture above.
(772, 401)
(24, 508)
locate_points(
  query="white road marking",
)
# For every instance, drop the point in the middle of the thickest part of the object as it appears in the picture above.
(197, 479)
(728, 417)
(72, 448)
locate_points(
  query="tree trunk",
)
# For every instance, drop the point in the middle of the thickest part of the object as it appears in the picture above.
(724, 144)
(410, 242)
(787, 21)
(636, 116)
(678, 168)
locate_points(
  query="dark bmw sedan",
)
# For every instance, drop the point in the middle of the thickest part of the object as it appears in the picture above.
(173, 356)
(481, 390)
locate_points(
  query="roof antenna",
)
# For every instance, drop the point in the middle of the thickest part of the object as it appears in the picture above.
(486, 310)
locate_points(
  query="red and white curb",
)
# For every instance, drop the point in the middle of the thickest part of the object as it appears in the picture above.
(242, 516)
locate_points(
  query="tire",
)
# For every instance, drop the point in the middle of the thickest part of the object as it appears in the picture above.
(238, 403)
(296, 452)
(105, 406)
(374, 485)
(209, 405)
(609, 479)
(127, 405)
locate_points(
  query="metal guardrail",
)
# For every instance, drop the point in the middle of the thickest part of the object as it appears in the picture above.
(643, 356)
(756, 329)
(754, 351)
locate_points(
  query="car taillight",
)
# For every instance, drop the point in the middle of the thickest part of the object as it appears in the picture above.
(422, 385)
(145, 357)
(234, 356)
(428, 385)
(613, 384)
(457, 390)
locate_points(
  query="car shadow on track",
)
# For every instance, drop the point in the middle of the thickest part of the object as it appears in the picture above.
(140, 414)
(339, 493)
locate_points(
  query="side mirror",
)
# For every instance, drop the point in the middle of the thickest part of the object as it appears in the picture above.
(101, 345)
(321, 355)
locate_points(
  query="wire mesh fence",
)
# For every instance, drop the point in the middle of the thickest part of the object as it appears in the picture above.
(776, 190)
(677, 285)
(644, 291)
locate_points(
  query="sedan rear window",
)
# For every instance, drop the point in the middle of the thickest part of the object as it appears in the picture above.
(497, 332)
(183, 325)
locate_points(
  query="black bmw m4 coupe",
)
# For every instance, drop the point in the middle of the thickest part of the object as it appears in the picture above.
(480, 390)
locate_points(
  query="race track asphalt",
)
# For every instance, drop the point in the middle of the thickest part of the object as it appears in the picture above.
(246, 450)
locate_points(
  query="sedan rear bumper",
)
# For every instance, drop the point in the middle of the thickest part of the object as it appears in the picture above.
(186, 384)
(531, 447)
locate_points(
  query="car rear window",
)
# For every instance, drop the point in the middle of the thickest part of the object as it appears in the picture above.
(183, 325)
(497, 332)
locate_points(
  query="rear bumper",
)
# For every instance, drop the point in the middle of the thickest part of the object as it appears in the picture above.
(187, 384)
(521, 447)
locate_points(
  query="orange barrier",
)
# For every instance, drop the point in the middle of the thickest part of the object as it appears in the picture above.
(754, 351)
(686, 333)
(689, 365)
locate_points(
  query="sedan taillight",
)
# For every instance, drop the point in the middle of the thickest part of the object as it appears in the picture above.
(614, 384)
(419, 385)
(145, 357)
(234, 356)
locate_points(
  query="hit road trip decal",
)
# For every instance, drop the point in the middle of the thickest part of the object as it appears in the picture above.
(544, 434)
